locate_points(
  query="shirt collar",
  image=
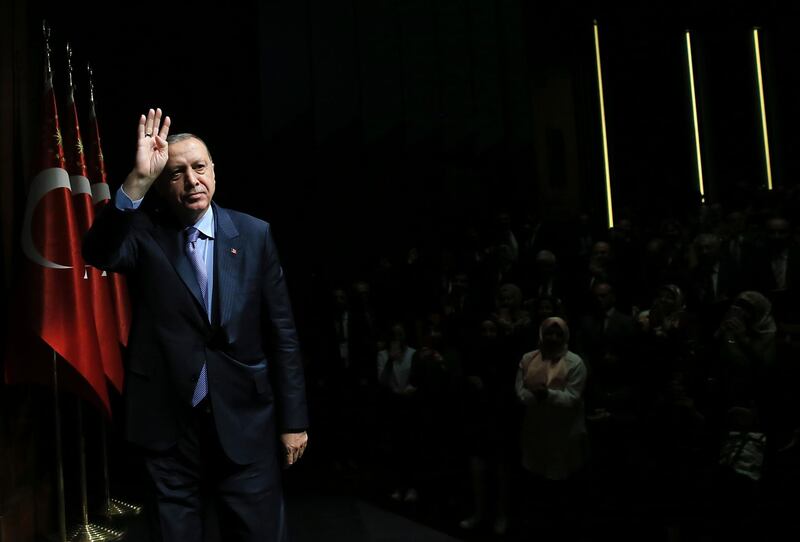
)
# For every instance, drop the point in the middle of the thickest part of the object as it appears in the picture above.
(205, 224)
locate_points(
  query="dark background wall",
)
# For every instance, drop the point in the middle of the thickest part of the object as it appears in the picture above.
(360, 123)
(410, 104)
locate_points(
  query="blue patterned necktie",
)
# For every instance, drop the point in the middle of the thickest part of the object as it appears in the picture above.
(199, 266)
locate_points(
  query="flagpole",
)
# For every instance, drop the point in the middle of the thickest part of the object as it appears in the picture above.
(113, 508)
(88, 532)
(110, 510)
(82, 459)
(62, 518)
(85, 531)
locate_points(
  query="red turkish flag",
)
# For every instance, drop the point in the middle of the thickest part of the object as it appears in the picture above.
(54, 299)
(105, 318)
(101, 195)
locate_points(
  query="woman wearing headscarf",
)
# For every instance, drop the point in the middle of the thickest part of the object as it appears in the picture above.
(747, 348)
(550, 382)
(747, 374)
(667, 313)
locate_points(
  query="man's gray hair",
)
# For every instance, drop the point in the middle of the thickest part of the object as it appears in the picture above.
(175, 138)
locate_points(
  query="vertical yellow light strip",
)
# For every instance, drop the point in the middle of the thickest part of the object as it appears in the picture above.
(763, 109)
(603, 126)
(694, 118)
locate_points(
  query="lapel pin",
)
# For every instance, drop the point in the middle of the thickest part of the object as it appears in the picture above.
(234, 251)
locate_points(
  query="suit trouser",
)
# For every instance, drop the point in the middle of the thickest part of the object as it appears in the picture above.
(196, 473)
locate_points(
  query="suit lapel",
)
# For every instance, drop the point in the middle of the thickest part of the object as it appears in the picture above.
(228, 262)
(171, 241)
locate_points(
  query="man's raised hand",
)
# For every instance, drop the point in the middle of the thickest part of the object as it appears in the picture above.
(151, 153)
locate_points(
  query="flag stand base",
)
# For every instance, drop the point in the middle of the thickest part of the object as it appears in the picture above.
(94, 533)
(117, 508)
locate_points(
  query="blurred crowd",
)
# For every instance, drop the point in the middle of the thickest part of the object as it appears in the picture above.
(537, 372)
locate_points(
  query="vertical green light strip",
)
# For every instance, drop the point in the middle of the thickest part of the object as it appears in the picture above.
(603, 126)
(767, 162)
(700, 185)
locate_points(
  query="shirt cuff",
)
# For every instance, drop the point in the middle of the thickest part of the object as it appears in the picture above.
(124, 202)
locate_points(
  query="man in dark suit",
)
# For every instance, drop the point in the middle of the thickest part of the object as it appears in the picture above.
(214, 377)
(605, 339)
(715, 278)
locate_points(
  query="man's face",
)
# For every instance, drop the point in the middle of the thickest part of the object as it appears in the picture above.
(461, 282)
(601, 252)
(666, 301)
(398, 334)
(604, 296)
(188, 182)
(545, 309)
(488, 329)
(623, 229)
(340, 298)
(671, 232)
(546, 267)
(504, 221)
(777, 234)
(361, 288)
(507, 298)
(707, 247)
(736, 222)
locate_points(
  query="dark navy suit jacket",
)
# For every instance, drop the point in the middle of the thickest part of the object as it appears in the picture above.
(255, 375)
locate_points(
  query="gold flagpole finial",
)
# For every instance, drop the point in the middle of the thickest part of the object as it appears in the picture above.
(69, 66)
(91, 83)
(46, 36)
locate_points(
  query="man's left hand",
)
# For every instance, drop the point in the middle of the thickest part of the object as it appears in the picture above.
(294, 445)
